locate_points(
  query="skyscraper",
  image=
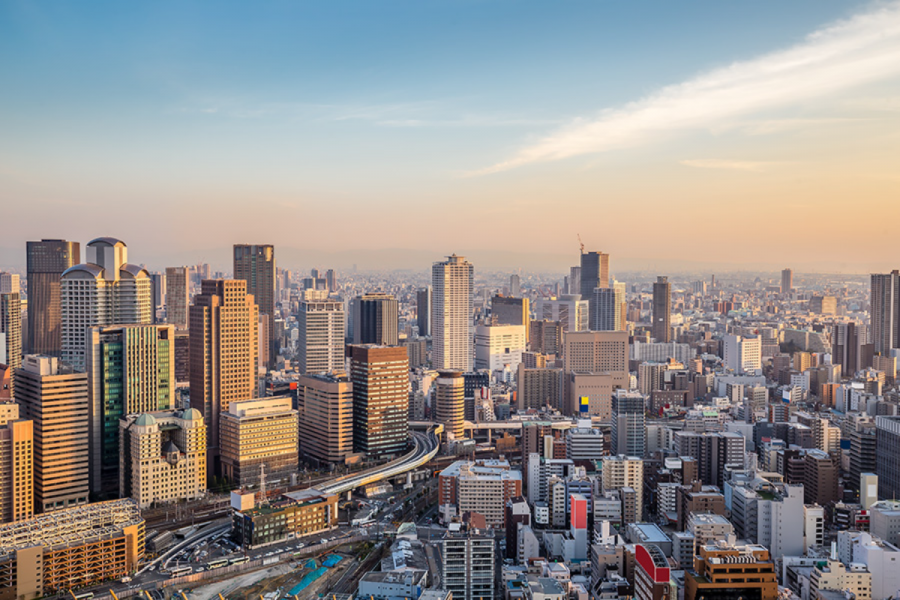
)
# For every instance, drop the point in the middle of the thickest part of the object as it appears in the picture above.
(56, 399)
(451, 319)
(448, 402)
(629, 435)
(106, 290)
(423, 311)
(16, 466)
(325, 404)
(47, 260)
(515, 286)
(380, 377)
(131, 369)
(594, 274)
(157, 292)
(884, 309)
(177, 296)
(662, 310)
(331, 281)
(255, 264)
(787, 281)
(224, 347)
(11, 334)
(9, 283)
(609, 308)
(375, 319)
(321, 336)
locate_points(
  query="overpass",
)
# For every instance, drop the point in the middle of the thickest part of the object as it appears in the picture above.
(425, 447)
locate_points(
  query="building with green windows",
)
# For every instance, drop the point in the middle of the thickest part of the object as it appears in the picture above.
(131, 369)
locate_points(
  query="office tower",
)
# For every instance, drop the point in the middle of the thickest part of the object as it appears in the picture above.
(743, 354)
(16, 466)
(224, 351)
(850, 348)
(380, 377)
(825, 305)
(9, 283)
(594, 274)
(515, 286)
(162, 457)
(325, 404)
(423, 311)
(479, 487)
(131, 369)
(713, 451)
(787, 281)
(610, 308)
(451, 318)
(629, 434)
(625, 472)
(256, 435)
(536, 388)
(321, 336)
(331, 281)
(105, 290)
(177, 296)
(56, 399)
(574, 283)
(662, 310)
(448, 402)
(510, 311)
(598, 351)
(884, 310)
(255, 264)
(157, 292)
(499, 348)
(47, 260)
(469, 563)
(571, 311)
(11, 335)
(651, 573)
(546, 337)
(887, 457)
(375, 319)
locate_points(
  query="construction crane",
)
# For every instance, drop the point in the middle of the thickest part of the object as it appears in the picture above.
(580, 243)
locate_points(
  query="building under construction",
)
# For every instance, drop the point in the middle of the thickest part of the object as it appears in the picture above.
(70, 549)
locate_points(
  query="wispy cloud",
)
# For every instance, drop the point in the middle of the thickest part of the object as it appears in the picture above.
(733, 165)
(847, 54)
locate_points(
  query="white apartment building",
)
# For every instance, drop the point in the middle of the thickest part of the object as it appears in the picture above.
(321, 338)
(451, 314)
(743, 354)
(499, 348)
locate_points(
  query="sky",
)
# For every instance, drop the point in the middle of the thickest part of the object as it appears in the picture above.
(670, 134)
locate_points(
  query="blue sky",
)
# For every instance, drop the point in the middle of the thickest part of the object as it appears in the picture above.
(118, 117)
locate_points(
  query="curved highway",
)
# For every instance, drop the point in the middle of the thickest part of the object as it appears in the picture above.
(425, 447)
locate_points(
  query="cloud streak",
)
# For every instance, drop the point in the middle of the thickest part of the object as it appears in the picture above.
(731, 165)
(847, 54)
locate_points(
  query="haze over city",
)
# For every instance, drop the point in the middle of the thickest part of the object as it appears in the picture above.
(414, 130)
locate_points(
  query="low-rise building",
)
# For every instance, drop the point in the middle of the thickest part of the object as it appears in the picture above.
(724, 571)
(405, 585)
(295, 514)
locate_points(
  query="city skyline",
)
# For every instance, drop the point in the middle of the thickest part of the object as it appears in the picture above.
(794, 118)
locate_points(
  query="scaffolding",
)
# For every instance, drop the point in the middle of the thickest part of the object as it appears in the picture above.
(70, 527)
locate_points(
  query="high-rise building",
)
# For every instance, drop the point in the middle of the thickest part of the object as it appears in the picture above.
(662, 310)
(256, 435)
(610, 308)
(375, 319)
(47, 260)
(598, 351)
(594, 273)
(468, 563)
(510, 311)
(621, 472)
(571, 311)
(325, 404)
(380, 377)
(162, 457)
(825, 305)
(499, 348)
(57, 401)
(546, 337)
(787, 281)
(331, 281)
(105, 290)
(651, 573)
(11, 334)
(224, 347)
(9, 283)
(536, 388)
(423, 311)
(448, 402)
(884, 310)
(321, 336)
(743, 354)
(131, 369)
(451, 318)
(157, 292)
(515, 286)
(850, 348)
(177, 296)
(255, 264)
(629, 433)
(16, 466)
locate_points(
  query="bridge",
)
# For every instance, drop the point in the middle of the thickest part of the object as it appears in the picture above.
(425, 447)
